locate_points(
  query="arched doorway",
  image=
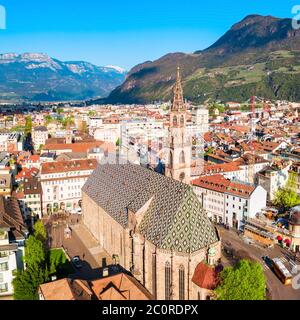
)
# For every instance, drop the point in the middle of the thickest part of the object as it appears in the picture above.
(55, 207)
(49, 209)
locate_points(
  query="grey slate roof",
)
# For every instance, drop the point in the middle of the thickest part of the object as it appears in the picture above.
(174, 219)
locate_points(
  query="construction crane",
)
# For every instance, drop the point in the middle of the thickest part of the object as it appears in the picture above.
(251, 162)
(266, 106)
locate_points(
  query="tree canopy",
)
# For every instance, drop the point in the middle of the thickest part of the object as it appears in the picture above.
(26, 282)
(287, 197)
(40, 264)
(28, 124)
(34, 252)
(40, 231)
(246, 281)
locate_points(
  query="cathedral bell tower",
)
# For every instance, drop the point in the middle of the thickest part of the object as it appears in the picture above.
(179, 158)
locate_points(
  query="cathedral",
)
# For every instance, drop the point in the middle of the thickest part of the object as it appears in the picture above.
(154, 224)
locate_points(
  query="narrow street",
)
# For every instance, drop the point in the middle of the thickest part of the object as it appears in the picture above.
(278, 291)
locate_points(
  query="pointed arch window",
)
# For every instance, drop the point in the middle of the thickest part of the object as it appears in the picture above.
(182, 121)
(181, 283)
(175, 121)
(182, 157)
(171, 159)
(167, 281)
(172, 142)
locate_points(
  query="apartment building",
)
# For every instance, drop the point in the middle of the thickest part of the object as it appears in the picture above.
(39, 136)
(227, 201)
(10, 141)
(62, 182)
(274, 177)
(32, 199)
(109, 132)
(295, 168)
(13, 233)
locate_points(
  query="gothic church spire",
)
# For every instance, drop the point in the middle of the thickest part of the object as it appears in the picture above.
(178, 102)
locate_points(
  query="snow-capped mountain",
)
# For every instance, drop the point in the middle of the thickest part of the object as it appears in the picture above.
(36, 76)
(118, 69)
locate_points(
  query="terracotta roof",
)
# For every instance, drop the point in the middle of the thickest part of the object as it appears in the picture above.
(66, 289)
(206, 277)
(74, 147)
(11, 217)
(27, 173)
(220, 184)
(34, 158)
(119, 287)
(223, 167)
(55, 141)
(66, 166)
(208, 137)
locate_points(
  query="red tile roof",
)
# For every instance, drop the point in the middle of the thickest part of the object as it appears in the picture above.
(205, 277)
(223, 167)
(220, 184)
(66, 289)
(75, 147)
(66, 166)
(119, 287)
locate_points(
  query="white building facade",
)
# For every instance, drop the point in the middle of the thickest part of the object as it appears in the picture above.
(229, 202)
(62, 182)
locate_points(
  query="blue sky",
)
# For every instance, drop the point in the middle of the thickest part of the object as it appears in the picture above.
(124, 33)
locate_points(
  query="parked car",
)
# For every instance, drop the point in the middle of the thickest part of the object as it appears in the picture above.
(77, 262)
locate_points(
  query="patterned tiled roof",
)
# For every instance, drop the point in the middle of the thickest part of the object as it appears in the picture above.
(174, 219)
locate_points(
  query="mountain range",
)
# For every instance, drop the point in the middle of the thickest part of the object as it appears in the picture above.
(38, 77)
(259, 56)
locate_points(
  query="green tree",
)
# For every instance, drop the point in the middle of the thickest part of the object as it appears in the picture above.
(92, 113)
(28, 124)
(68, 122)
(26, 283)
(40, 232)
(48, 119)
(246, 281)
(213, 106)
(35, 254)
(41, 146)
(209, 151)
(287, 197)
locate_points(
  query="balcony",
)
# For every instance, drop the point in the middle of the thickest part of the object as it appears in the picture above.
(4, 259)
